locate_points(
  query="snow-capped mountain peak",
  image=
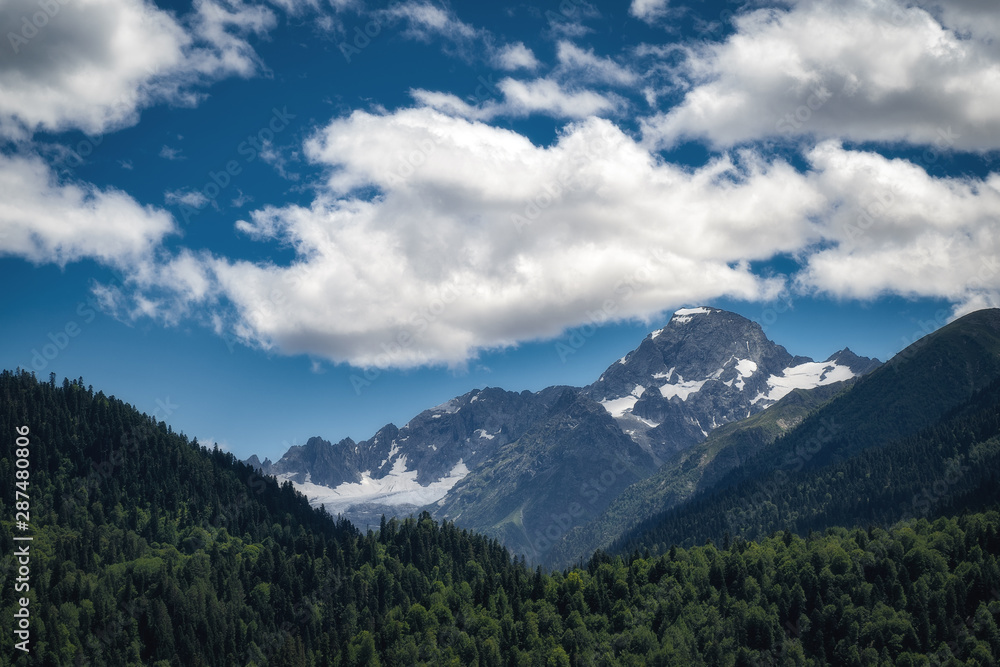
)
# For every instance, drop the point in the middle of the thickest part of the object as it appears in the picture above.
(705, 368)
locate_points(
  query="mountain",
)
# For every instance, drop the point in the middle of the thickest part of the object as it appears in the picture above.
(563, 471)
(691, 471)
(859, 447)
(706, 368)
(399, 470)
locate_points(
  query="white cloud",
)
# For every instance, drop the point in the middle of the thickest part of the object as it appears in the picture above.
(169, 153)
(453, 105)
(476, 238)
(861, 70)
(648, 10)
(548, 96)
(44, 220)
(425, 20)
(220, 28)
(894, 229)
(94, 64)
(976, 19)
(524, 98)
(279, 159)
(516, 56)
(585, 66)
(481, 239)
(191, 198)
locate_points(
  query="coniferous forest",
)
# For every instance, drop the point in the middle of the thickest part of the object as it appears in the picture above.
(150, 549)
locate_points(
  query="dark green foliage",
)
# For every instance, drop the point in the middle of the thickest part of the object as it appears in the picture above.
(949, 467)
(682, 476)
(173, 554)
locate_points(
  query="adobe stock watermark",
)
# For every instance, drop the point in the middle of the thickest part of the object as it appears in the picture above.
(29, 29)
(772, 309)
(361, 39)
(74, 156)
(984, 278)
(60, 339)
(899, 18)
(486, 89)
(56, 342)
(709, 28)
(248, 149)
(408, 163)
(923, 502)
(568, 11)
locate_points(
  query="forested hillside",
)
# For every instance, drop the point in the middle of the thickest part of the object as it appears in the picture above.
(684, 474)
(149, 549)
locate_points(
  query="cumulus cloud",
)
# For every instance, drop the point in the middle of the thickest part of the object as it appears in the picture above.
(94, 64)
(892, 228)
(860, 70)
(975, 19)
(475, 238)
(433, 235)
(480, 239)
(44, 220)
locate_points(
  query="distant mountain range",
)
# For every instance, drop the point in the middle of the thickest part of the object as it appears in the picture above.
(533, 468)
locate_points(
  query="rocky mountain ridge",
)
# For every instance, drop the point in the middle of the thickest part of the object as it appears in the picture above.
(466, 458)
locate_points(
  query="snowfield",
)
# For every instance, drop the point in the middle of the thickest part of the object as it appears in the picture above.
(399, 487)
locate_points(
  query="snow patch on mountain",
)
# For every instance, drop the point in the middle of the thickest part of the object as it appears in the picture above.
(804, 376)
(399, 487)
(682, 389)
(746, 367)
(684, 315)
(618, 407)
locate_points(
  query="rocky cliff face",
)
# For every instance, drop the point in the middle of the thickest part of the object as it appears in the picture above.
(706, 368)
(399, 470)
(563, 472)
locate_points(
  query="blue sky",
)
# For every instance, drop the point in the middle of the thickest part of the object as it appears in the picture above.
(264, 221)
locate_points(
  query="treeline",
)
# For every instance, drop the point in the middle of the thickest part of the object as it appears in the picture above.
(154, 550)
